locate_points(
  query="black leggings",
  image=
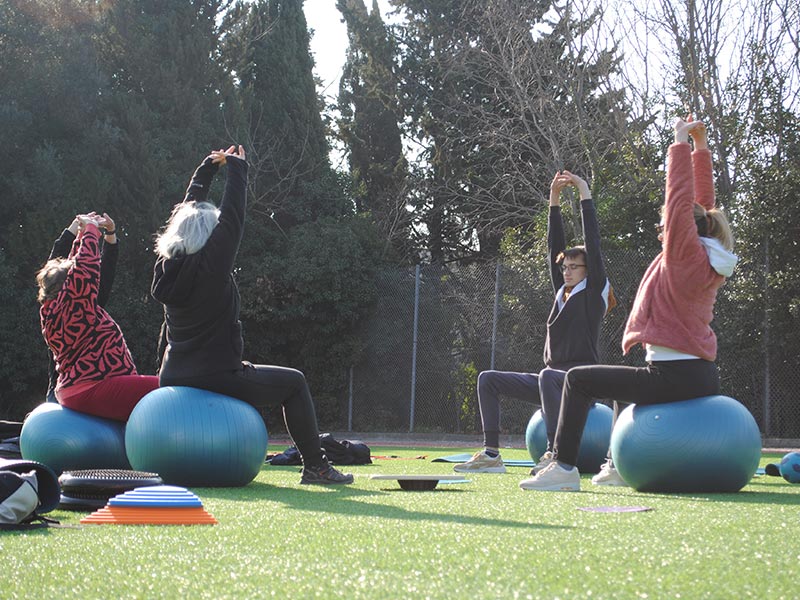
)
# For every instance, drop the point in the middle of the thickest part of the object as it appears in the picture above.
(657, 383)
(264, 386)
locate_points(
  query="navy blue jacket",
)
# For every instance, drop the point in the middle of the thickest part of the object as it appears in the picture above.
(573, 331)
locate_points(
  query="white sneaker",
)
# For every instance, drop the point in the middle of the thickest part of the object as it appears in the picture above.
(554, 478)
(608, 475)
(481, 463)
(544, 460)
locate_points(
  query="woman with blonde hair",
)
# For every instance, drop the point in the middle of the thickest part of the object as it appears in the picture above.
(201, 340)
(671, 315)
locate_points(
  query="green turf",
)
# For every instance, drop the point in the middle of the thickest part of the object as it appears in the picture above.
(484, 539)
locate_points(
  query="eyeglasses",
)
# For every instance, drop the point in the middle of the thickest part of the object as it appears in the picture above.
(565, 268)
(659, 227)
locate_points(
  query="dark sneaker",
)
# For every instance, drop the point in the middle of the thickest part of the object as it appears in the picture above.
(324, 475)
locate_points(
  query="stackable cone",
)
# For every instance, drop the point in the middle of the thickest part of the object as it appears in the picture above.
(153, 505)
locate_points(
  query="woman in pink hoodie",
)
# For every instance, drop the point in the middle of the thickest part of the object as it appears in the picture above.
(671, 315)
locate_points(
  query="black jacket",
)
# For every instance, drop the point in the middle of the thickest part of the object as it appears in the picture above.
(573, 333)
(201, 329)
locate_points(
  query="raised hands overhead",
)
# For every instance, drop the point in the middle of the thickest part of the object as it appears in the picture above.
(109, 228)
(560, 181)
(220, 156)
(697, 129)
(563, 179)
(106, 223)
(87, 219)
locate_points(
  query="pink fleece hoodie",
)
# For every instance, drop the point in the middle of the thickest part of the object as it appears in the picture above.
(674, 305)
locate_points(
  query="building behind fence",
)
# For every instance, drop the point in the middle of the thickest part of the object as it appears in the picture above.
(435, 328)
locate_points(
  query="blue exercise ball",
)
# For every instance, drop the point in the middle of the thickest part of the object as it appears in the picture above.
(594, 443)
(790, 467)
(193, 437)
(68, 440)
(708, 444)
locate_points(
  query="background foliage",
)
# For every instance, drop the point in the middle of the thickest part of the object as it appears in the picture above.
(453, 116)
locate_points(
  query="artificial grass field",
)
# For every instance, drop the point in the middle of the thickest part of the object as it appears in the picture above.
(483, 539)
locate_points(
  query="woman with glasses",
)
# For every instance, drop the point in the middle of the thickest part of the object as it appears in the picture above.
(582, 297)
(671, 314)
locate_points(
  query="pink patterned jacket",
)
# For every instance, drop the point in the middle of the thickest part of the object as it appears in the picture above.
(87, 344)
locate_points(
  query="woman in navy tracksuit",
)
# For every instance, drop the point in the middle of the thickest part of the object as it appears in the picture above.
(582, 297)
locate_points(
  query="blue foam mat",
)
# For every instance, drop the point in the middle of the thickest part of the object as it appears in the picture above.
(163, 502)
(460, 458)
(157, 495)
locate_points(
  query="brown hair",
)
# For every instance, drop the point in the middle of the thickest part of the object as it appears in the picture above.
(51, 277)
(573, 252)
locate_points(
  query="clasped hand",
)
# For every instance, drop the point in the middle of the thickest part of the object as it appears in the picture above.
(220, 156)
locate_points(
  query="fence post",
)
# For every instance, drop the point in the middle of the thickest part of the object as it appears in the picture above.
(495, 313)
(350, 401)
(414, 352)
(767, 300)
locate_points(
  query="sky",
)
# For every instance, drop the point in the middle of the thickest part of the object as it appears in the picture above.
(329, 42)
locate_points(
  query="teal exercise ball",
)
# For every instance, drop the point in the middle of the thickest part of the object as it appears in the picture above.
(708, 444)
(790, 467)
(68, 440)
(193, 437)
(594, 443)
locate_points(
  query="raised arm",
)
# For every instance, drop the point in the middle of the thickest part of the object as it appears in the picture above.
(596, 270)
(83, 279)
(556, 242)
(224, 242)
(680, 232)
(702, 167)
(201, 180)
(63, 244)
(108, 258)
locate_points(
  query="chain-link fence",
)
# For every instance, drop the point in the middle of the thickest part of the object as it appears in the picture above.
(435, 328)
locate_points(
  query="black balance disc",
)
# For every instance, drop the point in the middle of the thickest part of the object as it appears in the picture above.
(92, 488)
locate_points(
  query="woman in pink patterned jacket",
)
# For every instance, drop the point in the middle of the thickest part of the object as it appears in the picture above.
(671, 315)
(96, 374)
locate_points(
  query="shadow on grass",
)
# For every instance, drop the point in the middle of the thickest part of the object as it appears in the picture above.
(786, 498)
(344, 500)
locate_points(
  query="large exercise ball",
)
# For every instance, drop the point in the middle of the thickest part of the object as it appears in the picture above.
(68, 440)
(194, 437)
(790, 467)
(708, 444)
(594, 443)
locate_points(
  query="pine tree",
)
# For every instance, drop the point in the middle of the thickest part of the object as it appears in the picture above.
(369, 126)
(306, 263)
(54, 138)
(291, 176)
(500, 99)
(165, 103)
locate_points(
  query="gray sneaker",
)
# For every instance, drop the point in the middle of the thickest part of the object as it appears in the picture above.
(324, 475)
(608, 475)
(554, 478)
(544, 460)
(481, 463)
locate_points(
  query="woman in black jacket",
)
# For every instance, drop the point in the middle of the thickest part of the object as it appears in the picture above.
(202, 335)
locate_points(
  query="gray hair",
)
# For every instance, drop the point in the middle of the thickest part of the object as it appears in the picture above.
(188, 229)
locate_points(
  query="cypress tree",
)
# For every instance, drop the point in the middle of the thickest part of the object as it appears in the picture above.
(369, 126)
(306, 262)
